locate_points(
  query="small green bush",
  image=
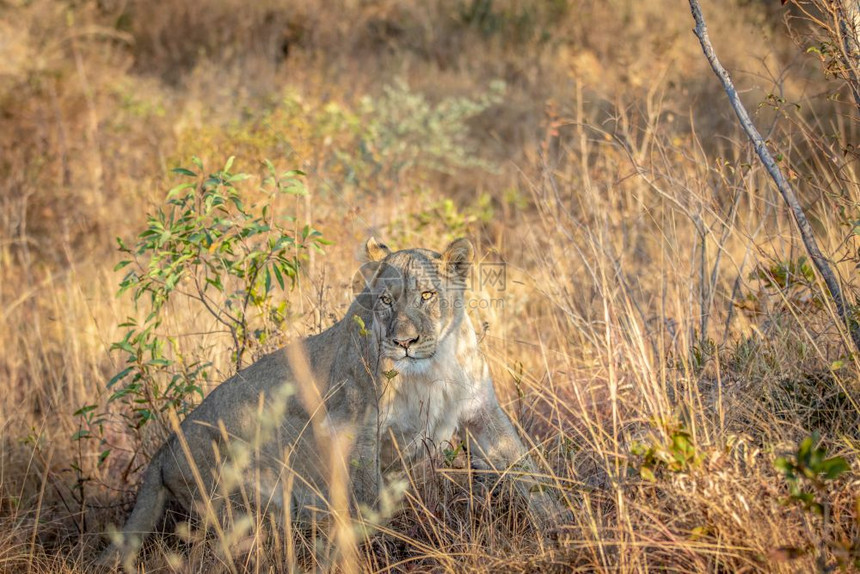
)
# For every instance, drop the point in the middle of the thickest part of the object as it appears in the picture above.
(205, 248)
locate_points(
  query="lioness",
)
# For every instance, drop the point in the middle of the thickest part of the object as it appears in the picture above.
(400, 373)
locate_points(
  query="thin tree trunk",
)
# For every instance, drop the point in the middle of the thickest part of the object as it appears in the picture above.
(782, 184)
(848, 22)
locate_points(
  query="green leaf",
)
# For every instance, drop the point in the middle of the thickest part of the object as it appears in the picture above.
(183, 171)
(390, 375)
(123, 346)
(804, 450)
(175, 190)
(81, 434)
(84, 410)
(783, 465)
(361, 327)
(278, 276)
(215, 282)
(294, 187)
(833, 467)
(119, 376)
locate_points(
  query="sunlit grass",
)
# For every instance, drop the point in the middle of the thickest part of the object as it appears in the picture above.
(657, 340)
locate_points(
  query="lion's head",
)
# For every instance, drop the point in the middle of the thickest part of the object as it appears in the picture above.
(416, 297)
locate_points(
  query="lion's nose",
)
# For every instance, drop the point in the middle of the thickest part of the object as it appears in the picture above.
(405, 343)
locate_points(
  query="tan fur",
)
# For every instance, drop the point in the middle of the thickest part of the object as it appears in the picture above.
(399, 387)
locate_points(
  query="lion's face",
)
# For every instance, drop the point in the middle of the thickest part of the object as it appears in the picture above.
(416, 297)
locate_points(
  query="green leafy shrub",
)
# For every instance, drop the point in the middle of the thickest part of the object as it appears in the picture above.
(517, 23)
(676, 453)
(375, 144)
(207, 249)
(405, 131)
(807, 472)
(810, 475)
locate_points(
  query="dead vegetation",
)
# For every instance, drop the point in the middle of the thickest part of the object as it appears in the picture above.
(660, 336)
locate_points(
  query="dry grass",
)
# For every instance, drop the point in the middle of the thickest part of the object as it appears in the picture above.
(641, 241)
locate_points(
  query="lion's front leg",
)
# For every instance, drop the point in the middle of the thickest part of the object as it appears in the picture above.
(366, 478)
(363, 465)
(495, 446)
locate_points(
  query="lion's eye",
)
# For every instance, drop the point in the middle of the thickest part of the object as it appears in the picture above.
(386, 299)
(427, 295)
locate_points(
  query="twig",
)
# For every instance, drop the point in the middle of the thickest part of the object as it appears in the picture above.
(782, 184)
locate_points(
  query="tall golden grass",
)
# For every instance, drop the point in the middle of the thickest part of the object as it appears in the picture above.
(657, 340)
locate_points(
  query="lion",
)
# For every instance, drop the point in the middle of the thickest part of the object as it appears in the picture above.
(398, 375)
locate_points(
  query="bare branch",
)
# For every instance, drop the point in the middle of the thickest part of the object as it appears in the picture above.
(779, 179)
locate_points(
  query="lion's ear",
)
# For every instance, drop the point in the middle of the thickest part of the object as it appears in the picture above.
(376, 251)
(458, 257)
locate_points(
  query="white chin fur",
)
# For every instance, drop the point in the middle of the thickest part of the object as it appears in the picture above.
(410, 365)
